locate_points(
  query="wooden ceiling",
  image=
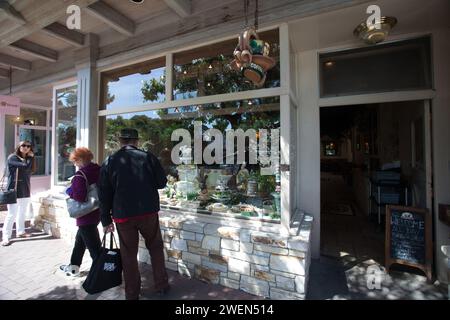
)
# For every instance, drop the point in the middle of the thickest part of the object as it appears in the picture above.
(34, 39)
(32, 30)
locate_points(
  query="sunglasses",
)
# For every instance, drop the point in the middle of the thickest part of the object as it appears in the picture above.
(26, 145)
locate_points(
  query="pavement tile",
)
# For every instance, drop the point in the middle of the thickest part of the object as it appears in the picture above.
(28, 270)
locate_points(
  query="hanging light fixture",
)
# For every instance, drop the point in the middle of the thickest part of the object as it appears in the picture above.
(377, 32)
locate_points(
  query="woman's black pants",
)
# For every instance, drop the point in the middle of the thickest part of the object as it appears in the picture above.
(87, 238)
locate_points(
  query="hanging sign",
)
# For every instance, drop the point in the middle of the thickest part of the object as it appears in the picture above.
(9, 105)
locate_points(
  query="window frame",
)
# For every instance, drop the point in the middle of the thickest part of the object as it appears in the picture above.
(48, 131)
(54, 149)
(286, 93)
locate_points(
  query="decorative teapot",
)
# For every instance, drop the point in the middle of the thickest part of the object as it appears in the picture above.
(251, 57)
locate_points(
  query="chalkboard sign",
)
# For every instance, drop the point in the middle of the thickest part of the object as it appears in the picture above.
(408, 238)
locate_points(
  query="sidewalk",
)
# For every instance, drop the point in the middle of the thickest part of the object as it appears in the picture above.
(28, 270)
(346, 278)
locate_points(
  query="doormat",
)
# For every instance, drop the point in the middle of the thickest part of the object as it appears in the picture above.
(342, 209)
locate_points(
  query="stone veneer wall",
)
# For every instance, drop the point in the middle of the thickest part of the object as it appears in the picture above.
(51, 216)
(237, 254)
(249, 256)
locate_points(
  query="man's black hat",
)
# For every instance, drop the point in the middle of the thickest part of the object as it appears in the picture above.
(129, 133)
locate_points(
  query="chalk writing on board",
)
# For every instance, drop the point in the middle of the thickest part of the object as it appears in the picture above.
(408, 237)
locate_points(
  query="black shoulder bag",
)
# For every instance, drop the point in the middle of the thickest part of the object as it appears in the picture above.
(8, 196)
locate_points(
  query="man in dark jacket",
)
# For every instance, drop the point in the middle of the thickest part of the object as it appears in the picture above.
(128, 194)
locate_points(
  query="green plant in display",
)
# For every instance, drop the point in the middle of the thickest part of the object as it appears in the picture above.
(266, 183)
(275, 216)
(192, 196)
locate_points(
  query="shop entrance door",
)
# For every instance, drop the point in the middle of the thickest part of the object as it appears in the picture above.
(359, 144)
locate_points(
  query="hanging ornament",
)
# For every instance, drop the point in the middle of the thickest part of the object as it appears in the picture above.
(252, 54)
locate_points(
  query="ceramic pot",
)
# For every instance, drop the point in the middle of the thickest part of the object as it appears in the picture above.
(252, 187)
(259, 47)
(253, 72)
(264, 62)
(213, 175)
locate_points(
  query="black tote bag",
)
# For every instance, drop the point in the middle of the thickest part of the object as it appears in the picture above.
(8, 196)
(106, 270)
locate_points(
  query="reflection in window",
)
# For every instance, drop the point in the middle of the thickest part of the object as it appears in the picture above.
(235, 187)
(66, 130)
(38, 140)
(206, 71)
(134, 85)
(33, 117)
(330, 149)
(403, 65)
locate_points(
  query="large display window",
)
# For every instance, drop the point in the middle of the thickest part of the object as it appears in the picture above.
(218, 136)
(218, 157)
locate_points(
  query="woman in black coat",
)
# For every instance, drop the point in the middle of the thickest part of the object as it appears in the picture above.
(20, 164)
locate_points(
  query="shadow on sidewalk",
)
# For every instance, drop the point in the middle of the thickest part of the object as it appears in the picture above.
(182, 288)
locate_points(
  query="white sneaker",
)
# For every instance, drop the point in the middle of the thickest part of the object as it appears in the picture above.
(6, 243)
(70, 270)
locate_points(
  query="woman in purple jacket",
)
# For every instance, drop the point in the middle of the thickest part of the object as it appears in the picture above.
(87, 235)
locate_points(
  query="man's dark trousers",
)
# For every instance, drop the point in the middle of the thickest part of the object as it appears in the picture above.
(128, 231)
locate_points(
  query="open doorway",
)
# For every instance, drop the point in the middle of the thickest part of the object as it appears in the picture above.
(371, 155)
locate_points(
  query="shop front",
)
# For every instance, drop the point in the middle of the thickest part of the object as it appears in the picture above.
(224, 143)
(31, 123)
(242, 207)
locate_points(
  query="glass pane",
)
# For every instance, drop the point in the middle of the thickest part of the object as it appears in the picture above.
(206, 71)
(66, 130)
(217, 179)
(395, 66)
(33, 117)
(38, 140)
(134, 85)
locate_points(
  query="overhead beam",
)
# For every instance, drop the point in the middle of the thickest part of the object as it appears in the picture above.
(35, 50)
(14, 62)
(61, 32)
(112, 17)
(182, 7)
(9, 12)
(4, 74)
(39, 14)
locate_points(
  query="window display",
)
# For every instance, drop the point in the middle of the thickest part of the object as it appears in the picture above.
(212, 154)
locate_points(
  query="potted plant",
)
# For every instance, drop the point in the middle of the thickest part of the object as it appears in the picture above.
(266, 184)
(277, 199)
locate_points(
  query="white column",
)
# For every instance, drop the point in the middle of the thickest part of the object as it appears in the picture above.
(308, 119)
(285, 141)
(87, 110)
(88, 94)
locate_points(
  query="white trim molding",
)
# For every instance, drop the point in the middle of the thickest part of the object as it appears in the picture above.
(244, 95)
(377, 98)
